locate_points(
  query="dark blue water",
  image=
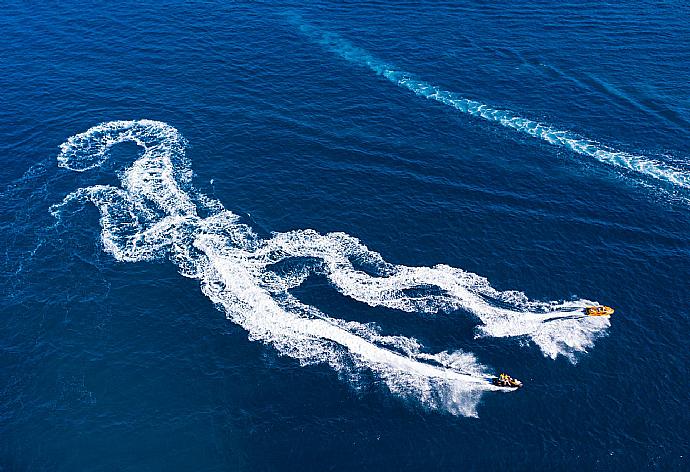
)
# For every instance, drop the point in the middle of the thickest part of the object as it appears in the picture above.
(543, 147)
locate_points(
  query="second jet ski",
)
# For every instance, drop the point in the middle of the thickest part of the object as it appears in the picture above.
(505, 380)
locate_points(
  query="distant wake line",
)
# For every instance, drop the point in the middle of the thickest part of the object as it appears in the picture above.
(567, 139)
(156, 214)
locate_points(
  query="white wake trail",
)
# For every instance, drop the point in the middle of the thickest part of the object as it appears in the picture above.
(556, 327)
(638, 163)
(156, 214)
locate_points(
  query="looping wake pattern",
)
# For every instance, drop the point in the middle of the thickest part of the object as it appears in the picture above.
(636, 163)
(156, 214)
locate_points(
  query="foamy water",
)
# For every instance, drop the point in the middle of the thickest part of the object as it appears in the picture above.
(158, 214)
(637, 163)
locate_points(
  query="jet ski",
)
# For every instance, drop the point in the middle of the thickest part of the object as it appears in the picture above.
(505, 380)
(600, 310)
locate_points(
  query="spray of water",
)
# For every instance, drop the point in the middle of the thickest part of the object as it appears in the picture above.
(157, 214)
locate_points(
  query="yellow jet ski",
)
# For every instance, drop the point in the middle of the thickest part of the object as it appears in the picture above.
(505, 380)
(600, 310)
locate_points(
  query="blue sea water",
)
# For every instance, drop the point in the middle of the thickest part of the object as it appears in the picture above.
(251, 236)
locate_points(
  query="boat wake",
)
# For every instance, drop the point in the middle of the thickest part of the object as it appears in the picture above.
(157, 214)
(639, 164)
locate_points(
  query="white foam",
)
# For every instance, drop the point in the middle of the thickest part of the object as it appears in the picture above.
(556, 327)
(159, 175)
(233, 280)
(638, 163)
(154, 215)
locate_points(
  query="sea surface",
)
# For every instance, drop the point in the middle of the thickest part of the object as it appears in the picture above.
(264, 236)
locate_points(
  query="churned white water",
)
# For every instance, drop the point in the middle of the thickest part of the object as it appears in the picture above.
(156, 213)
